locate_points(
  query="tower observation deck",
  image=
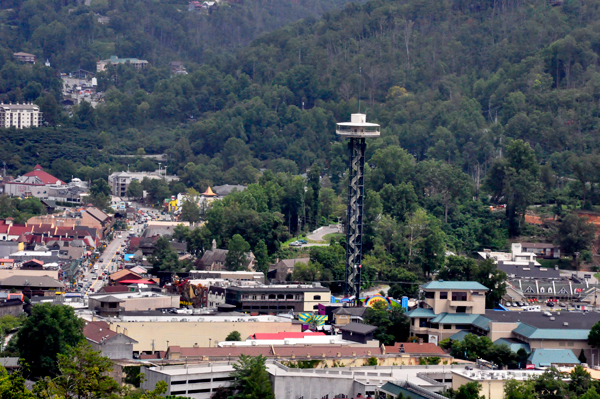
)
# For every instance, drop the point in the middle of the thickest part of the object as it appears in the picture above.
(357, 130)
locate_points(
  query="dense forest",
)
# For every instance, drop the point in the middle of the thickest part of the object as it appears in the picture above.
(481, 103)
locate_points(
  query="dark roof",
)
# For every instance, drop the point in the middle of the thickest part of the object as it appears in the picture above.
(537, 245)
(214, 256)
(114, 288)
(535, 272)
(576, 320)
(110, 299)
(48, 203)
(358, 328)
(97, 214)
(33, 281)
(99, 331)
(353, 311)
(286, 289)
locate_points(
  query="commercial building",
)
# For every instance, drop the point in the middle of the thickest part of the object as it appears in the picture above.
(120, 181)
(492, 381)
(44, 186)
(156, 330)
(20, 116)
(109, 343)
(114, 60)
(113, 304)
(436, 319)
(449, 307)
(43, 285)
(278, 298)
(257, 277)
(24, 57)
(199, 381)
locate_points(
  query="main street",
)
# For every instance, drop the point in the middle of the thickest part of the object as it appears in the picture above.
(107, 262)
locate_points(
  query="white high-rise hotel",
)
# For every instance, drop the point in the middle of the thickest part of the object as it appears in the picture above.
(20, 115)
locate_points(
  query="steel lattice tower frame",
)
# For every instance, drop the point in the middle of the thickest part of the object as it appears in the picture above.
(357, 130)
(354, 225)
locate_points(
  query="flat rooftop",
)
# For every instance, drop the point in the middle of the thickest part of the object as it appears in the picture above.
(223, 317)
(490, 375)
(576, 320)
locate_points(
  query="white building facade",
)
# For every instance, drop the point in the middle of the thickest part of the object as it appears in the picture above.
(20, 116)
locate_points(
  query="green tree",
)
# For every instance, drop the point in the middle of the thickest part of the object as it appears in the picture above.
(306, 273)
(135, 189)
(237, 255)
(313, 201)
(392, 325)
(190, 211)
(164, 257)
(472, 347)
(575, 233)
(581, 380)
(514, 389)
(469, 390)
(594, 336)
(233, 336)
(49, 331)
(251, 379)
(83, 373)
(261, 253)
(515, 178)
(12, 386)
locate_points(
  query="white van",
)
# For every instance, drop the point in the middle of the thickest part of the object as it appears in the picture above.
(535, 308)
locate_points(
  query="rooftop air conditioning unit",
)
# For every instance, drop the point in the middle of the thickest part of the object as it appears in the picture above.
(254, 343)
(553, 318)
(565, 324)
(286, 342)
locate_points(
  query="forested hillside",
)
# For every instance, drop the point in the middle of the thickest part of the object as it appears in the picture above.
(480, 102)
(71, 35)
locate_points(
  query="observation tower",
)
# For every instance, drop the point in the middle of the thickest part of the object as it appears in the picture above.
(357, 130)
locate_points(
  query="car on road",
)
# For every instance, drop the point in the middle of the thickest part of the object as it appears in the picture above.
(303, 241)
(295, 244)
(85, 280)
(101, 259)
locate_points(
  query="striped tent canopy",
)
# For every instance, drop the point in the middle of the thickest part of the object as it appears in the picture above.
(312, 319)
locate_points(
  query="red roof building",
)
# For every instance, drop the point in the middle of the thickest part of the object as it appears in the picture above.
(44, 177)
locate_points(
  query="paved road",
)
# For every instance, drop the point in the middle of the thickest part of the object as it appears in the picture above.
(318, 235)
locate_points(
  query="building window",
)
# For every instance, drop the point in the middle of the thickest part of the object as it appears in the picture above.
(461, 309)
(272, 296)
(443, 295)
(430, 295)
(447, 326)
(435, 326)
(280, 296)
(459, 296)
(317, 297)
(423, 323)
(462, 326)
(289, 296)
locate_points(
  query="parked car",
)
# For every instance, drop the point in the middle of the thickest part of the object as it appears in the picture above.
(519, 303)
(550, 304)
(303, 241)
(295, 244)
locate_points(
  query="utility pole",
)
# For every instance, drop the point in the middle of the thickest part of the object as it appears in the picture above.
(357, 130)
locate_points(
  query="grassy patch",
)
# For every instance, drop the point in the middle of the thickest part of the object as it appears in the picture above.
(335, 236)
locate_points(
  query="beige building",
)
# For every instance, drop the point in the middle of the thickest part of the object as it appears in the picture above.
(20, 116)
(448, 307)
(156, 331)
(492, 381)
(114, 60)
(115, 303)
